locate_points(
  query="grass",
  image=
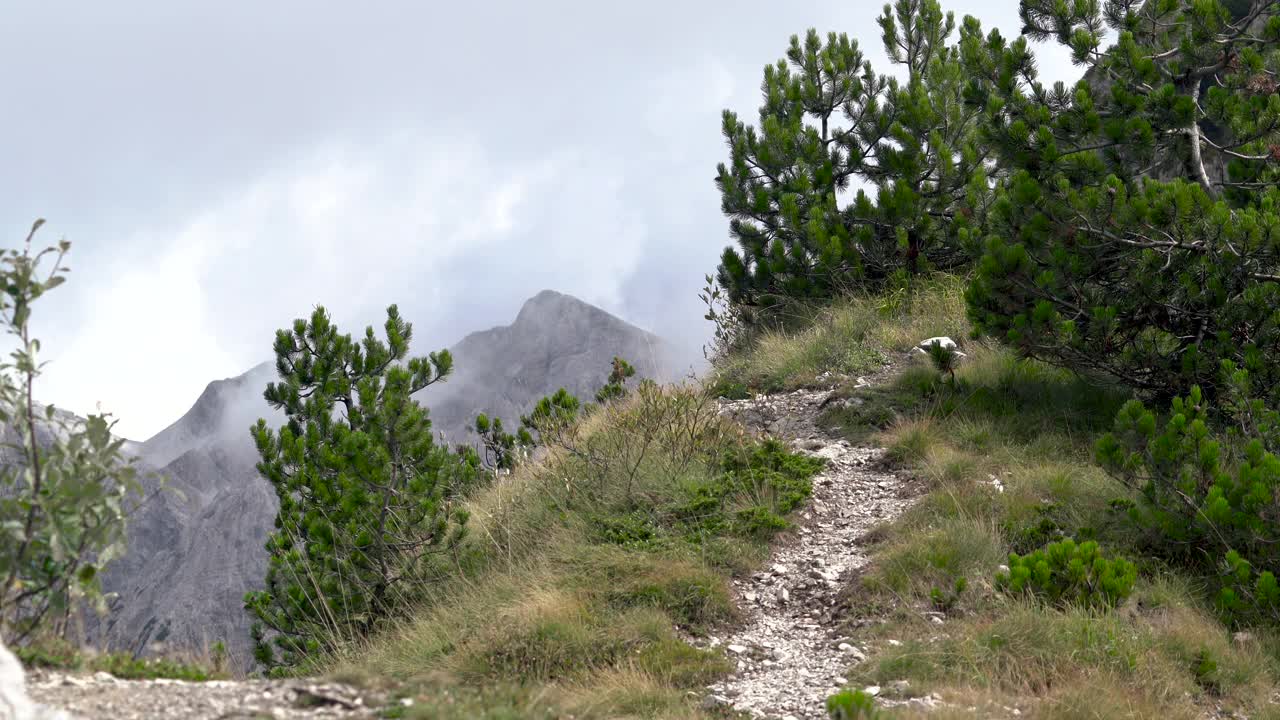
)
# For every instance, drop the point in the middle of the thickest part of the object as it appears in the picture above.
(585, 571)
(58, 654)
(1003, 455)
(851, 337)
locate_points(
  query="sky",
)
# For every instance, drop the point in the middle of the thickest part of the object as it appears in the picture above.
(222, 168)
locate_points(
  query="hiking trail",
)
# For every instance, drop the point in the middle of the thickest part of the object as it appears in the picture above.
(790, 652)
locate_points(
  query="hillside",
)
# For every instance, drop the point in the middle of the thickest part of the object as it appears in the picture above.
(883, 583)
(197, 547)
(593, 588)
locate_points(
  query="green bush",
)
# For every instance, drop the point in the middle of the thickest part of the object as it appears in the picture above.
(1064, 573)
(851, 705)
(753, 492)
(66, 486)
(1207, 498)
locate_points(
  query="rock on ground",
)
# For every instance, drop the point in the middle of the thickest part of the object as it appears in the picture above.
(14, 702)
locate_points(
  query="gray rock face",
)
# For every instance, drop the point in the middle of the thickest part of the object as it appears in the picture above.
(198, 546)
(556, 341)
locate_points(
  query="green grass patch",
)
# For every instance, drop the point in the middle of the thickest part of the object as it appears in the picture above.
(850, 337)
(1006, 455)
(60, 655)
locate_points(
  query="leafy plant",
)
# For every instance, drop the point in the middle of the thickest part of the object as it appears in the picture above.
(66, 492)
(552, 416)
(1066, 573)
(501, 450)
(614, 387)
(365, 495)
(945, 600)
(730, 322)
(753, 493)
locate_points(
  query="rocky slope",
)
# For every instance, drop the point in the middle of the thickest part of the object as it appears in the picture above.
(197, 547)
(556, 341)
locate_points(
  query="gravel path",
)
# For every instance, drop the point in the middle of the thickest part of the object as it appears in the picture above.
(103, 696)
(789, 655)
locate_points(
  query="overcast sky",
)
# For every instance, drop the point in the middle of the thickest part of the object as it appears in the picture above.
(220, 168)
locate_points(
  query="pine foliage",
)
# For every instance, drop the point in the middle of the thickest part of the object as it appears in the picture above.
(829, 120)
(366, 497)
(1138, 231)
(1206, 497)
(1065, 573)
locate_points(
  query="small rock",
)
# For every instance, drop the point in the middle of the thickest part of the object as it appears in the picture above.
(942, 340)
(711, 702)
(737, 649)
(872, 690)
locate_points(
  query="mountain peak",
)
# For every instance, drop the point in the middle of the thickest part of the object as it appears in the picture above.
(550, 301)
(233, 401)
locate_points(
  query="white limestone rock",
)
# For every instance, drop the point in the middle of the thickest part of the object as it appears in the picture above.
(14, 703)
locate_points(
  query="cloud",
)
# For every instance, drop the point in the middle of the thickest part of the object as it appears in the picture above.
(354, 227)
(220, 172)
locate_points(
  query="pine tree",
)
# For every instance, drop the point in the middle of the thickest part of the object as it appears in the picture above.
(365, 495)
(1138, 231)
(551, 416)
(614, 387)
(828, 119)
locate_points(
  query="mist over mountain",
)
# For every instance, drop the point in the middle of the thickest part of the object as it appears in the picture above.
(197, 546)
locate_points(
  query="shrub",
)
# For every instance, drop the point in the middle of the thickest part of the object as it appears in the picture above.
(1204, 499)
(1064, 573)
(65, 487)
(944, 358)
(851, 705)
(753, 492)
(366, 496)
(944, 601)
